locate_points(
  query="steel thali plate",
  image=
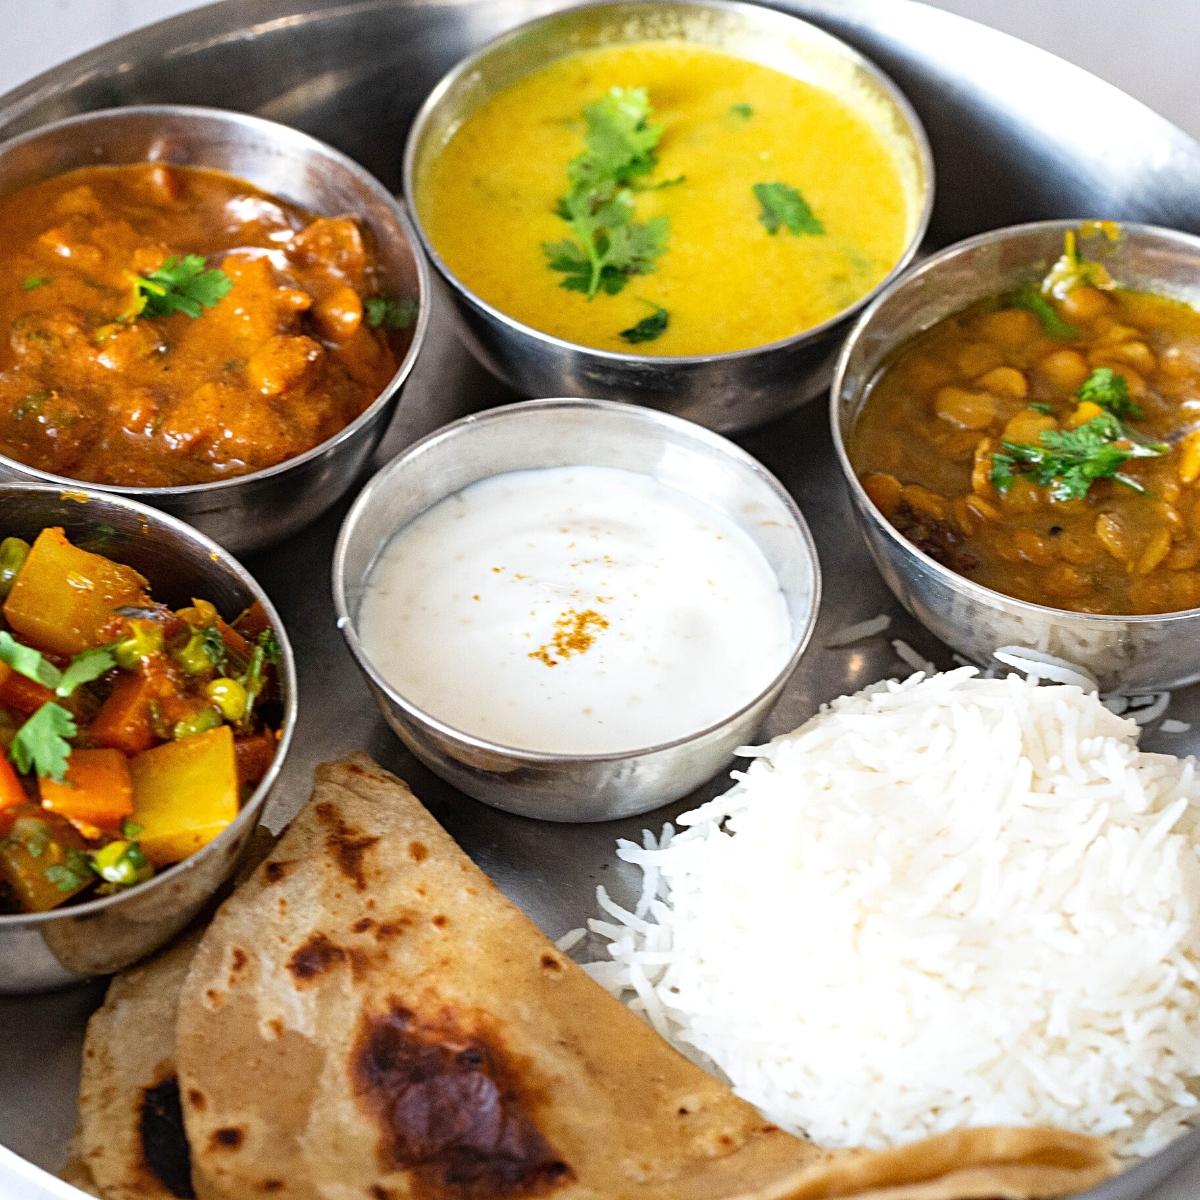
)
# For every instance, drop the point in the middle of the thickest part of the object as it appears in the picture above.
(353, 72)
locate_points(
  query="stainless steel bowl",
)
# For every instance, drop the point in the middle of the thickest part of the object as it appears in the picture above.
(728, 391)
(250, 511)
(1125, 653)
(570, 432)
(48, 950)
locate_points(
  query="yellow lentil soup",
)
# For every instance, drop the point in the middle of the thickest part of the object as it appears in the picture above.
(731, 266)
(1050, 452)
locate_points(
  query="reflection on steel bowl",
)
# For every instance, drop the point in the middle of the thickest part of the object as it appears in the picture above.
(1061, 472)
(210, 312)
(693, 282)
(562, 768)
(112, 848)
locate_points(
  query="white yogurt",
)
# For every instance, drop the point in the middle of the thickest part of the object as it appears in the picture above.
(575, 610)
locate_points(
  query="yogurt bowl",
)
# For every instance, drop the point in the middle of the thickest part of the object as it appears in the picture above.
(682, 579)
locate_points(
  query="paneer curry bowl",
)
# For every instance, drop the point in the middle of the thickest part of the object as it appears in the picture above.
(194, 303)
(1020, 423)
(147, 698)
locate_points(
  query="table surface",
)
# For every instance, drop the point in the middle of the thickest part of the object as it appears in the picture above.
(1136, 47)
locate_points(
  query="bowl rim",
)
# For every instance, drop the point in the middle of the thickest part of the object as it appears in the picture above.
(389, 476)
(271, 131)
(176, 531)
(471, 64)
(929, 267)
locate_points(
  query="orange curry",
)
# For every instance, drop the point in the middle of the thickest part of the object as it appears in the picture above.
(174, 325)
(1048, 446)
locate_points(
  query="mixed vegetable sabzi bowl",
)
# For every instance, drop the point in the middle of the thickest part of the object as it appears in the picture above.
(147, 699)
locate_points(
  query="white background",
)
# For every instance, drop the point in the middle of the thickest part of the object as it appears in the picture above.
(1151, 49)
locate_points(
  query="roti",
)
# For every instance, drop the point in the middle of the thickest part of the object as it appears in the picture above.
(130, 1144)
(367, 1016)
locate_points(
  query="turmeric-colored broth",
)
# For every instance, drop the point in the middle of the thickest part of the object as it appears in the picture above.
(488, 200)
(946, 403)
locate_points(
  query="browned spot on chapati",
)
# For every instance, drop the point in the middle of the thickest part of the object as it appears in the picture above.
(276, 871)
(239, 960)
(450, 1110)
(347, 845)
(314, 956)
(228, 1137)
(271, 1185)
(550, 962)
(441, 921)
(362, 925)
(197, 1099)
(418, 851)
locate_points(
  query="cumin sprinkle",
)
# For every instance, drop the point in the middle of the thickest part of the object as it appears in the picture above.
(574, 633)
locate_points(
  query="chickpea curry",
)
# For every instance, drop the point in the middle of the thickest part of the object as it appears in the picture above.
(130, 734)
(1047, 444)
(173, 325)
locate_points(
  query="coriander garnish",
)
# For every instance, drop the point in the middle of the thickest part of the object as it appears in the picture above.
(1069, 461)
(33, 282)
(1105, 388)
(41, 743)
(608, 245)
(743, 112)
(180, 285)
(648, 328)
(390, 312)
(782, 206)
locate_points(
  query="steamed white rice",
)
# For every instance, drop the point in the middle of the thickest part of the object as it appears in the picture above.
(946, 902)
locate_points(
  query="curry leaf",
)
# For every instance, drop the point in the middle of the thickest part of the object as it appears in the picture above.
(390, 312)
(648, 328)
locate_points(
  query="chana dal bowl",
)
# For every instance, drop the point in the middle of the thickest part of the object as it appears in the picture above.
(1015, 421)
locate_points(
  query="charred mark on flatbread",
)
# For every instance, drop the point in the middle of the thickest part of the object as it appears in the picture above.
(164, 1144)
(271, 1185)
(418, 851)
(347, 844)
(450, 1111)
(314, 956)
(228, 1137)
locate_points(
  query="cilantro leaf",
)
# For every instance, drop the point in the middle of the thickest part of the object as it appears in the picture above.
(620, 140)
(180, 285)
(648, 328)
(390, 312)
(1047, 410)
(1104, 387)
(1031, 298)
(212, 645)
(27, 661)
(270, 645)
(743, 112)
(608, 245)
(1069, 461)
(84, 667)
(781, 205)
(41, 743)
(32, 282)
(72, 874)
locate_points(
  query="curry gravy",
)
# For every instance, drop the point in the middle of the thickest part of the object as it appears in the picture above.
(92, 390)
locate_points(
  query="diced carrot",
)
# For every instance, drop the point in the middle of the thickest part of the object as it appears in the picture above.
(64, 597)
(19, 692)
(124, 720)
(97, 794)
(254, 757)
(252, 621)
(12, 793)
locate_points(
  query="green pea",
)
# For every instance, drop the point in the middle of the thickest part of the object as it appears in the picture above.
(121, 863)
(144, 641)
(193, 656)
(229, 696)
(13, 553)
(199, 722)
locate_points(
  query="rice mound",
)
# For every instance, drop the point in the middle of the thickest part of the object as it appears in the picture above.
(946, 902)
